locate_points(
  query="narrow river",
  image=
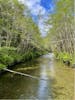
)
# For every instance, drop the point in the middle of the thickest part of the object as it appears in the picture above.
(59, 83)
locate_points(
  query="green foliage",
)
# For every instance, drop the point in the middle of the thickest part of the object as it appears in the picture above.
(64, 56)
(6, 60)
(8, 56)
(2, 66)
(20, 38)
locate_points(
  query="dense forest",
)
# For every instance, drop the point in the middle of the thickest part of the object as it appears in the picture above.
(61, 35)
(20, 37)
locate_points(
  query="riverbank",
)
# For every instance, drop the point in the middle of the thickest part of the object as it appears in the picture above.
(66, 58)
(10, 57)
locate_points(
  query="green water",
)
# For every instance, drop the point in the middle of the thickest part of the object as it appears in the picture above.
(58, 86)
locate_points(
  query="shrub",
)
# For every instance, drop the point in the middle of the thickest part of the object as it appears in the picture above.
(2, 66)
(6, 59)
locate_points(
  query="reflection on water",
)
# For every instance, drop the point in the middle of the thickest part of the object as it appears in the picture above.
(43, 85)
(57, 86)
(46, 70)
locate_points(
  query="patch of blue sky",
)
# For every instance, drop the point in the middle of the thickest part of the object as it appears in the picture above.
(48, 4)
(40, 9)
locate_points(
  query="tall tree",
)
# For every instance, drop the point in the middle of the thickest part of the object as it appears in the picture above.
(62, 21)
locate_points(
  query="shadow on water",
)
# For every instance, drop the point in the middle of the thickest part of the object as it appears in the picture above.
(13, 86)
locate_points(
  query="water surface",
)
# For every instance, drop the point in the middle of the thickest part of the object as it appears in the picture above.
(58, 86)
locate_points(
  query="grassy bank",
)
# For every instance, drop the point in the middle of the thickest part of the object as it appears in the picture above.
(65, 58)
(10, 56)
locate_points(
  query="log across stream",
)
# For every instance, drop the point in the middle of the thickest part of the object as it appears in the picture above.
(23, 74)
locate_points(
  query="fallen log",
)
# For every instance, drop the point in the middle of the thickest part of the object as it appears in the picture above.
(23, 74)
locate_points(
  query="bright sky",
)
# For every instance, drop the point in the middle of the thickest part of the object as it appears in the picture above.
(39, 10)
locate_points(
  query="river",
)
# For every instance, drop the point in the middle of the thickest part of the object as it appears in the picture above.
(58, 83)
